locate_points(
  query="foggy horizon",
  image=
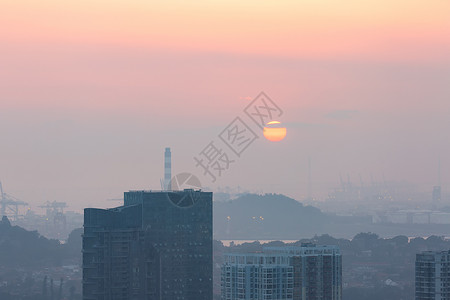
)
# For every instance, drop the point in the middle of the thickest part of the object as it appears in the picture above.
(223, 150)
(90, 100)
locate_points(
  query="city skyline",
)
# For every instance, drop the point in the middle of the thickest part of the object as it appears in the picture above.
(214, 149)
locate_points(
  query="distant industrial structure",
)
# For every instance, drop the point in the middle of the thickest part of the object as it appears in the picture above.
(437, 190)
(10, 205)
(166, 182)
(417, 216)
(436, 194)
(308, 272)
(158, 245)
(433, 275)
(55, 223)
(358, 196)
(55, 218)
(413, 216)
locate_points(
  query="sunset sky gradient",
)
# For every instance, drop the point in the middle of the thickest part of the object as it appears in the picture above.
(92, 91)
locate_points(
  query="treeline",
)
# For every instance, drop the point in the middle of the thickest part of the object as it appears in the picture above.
(373, 267)
(23, 248)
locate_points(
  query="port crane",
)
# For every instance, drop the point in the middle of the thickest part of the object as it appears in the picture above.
(10, 205)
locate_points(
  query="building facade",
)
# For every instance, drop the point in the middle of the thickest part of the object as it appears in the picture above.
(308, 272)
(257, 276)
(158, 245)
(433, 275)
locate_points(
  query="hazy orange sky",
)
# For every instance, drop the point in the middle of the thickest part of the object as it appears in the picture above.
(92, 91)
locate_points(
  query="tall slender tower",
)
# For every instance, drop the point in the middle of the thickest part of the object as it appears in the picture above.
(3, 200)
(309, 179)
(167, 169)
(437, 192)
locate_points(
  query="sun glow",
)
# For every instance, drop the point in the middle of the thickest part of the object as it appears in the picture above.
(274, 132)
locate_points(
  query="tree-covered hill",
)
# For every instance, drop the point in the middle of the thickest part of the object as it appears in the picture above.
(270, 216)
(23, 248)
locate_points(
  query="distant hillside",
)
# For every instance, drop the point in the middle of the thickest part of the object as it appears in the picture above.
(268, 216)
(277, 217)
(20, 247)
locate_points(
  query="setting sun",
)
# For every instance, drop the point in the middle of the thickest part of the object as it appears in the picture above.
(274, 132)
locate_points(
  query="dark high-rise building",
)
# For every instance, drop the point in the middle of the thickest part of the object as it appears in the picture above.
(433, 275)
(158, 245)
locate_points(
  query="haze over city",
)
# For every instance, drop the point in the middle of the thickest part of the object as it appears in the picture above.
(93, 91)
(224, 150)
